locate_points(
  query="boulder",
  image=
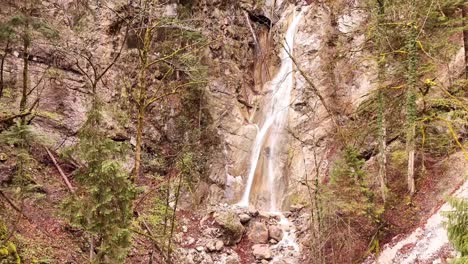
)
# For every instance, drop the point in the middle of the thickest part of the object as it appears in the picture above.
(258, 233)
(253, 212)
(244, 218)
(232, 259)
(261, 251)
(215, 245)
(231, 227)
(275, 232)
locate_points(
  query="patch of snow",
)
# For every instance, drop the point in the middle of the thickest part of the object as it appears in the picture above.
(424, 243)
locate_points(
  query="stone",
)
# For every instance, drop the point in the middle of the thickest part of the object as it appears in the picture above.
(264, 261)
(244, 218)
(195, 257)
(253, 212)
(215, 245)
(231, 227)
(3, 157)
(261, 251)
(272, 241)
(200, 248)
(189, 241)
(275, 232)
(296, 207)
(184, 229)
(258, 233)
(219, 245)
(232, 259)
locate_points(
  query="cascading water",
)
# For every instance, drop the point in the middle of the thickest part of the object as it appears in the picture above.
(269, 145)
(270, 134)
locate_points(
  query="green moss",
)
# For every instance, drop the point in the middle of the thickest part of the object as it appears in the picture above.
(399, 158)
(8, 252)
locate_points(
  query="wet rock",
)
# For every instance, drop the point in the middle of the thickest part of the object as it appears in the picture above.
(244, 218)
(261, 251)
(253, 212)
(231, 226)
(275, 232)
(258, 233)
(296, 208)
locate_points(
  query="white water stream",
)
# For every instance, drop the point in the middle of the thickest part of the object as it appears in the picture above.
(269, 139)
(275, 120)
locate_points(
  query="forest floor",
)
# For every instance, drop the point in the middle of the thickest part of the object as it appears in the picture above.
(43, 235)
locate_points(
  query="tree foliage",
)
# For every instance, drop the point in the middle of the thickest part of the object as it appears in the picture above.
(457, 227)
(103, 204)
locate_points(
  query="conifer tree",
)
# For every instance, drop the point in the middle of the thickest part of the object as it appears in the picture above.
(457, 227)
(103, 204)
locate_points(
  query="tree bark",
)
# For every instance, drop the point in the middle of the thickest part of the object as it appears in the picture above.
(64, 177)
(24, 95)
(382, 133)
(411, 111)
(464, 10)
(2, 65)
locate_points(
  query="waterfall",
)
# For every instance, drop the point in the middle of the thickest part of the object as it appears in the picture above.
(274, 121)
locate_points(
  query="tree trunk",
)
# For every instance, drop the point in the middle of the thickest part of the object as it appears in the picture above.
(2, 65)
(464, 10)
(142, 100)
(382, 146)
(382, 133)
(24, 95)
(174, 215)
(412, 68)
(138, 143)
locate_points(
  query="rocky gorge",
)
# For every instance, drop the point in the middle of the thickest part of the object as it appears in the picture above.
(268, 131)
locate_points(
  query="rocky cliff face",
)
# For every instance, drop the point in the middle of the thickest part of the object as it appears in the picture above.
(329, 50)
(334, 71)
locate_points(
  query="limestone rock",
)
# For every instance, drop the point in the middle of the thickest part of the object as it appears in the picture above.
(275, 232)
(231, 226)
(215, 245)
(232, 259)
(253, 212)
(244, 218)
(258, 233)
(261, 251)
(195, 257)
(200, 248)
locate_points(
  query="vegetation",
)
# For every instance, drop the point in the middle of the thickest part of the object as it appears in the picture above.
(118, 91)
(103, 204)
(410, 41)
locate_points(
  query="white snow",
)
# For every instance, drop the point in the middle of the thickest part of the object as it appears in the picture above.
(424, 244)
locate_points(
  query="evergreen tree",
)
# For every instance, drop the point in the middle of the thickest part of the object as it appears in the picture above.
(457, 227)
(103, 204)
